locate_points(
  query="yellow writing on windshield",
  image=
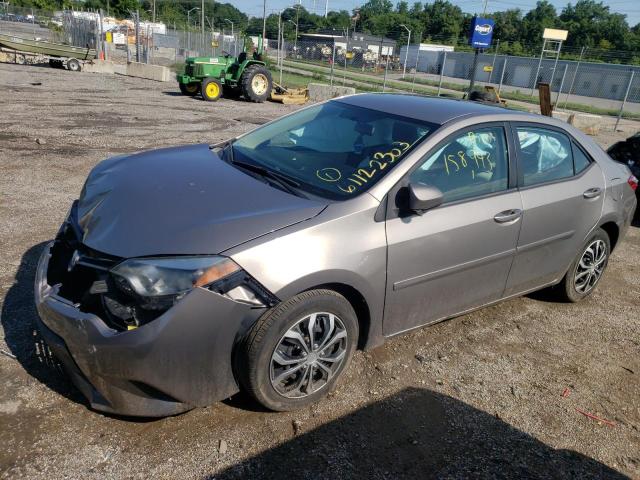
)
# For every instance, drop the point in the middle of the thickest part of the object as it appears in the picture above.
(361, 175)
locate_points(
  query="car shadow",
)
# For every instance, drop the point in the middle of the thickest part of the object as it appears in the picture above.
(18, 318)
(175, 94)
(417, 434)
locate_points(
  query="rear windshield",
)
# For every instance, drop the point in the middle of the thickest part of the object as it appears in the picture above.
(333, 150)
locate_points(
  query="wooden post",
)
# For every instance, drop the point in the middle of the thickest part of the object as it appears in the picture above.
(545, 99)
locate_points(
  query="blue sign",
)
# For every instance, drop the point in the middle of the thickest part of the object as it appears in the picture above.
(481, 32)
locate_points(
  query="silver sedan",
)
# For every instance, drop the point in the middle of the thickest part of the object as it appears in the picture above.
(185, 274)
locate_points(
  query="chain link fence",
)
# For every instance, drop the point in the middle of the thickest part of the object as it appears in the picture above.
(599, 85)
(366, 62)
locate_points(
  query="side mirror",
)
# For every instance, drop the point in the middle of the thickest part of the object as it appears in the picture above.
(423, 197)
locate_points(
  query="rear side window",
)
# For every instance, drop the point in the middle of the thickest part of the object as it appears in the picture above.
(545, 155)
(472, 164)
(580, 159)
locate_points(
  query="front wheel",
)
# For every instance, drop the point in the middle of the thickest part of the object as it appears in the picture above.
(587, 268)
(211, 89)
(294, 354)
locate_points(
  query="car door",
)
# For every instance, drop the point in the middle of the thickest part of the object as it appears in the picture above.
(562, 193)
(456, 256)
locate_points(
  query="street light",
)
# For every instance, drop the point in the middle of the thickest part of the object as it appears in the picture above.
(234, 38)
(189, 25)
(295, 40)
(406, 54)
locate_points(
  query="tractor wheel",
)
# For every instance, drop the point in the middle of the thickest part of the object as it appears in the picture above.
(73, 65)
(256, 83)
(211, 89)
(190, 89)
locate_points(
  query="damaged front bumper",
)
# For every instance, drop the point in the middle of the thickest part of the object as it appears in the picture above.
(180, 360)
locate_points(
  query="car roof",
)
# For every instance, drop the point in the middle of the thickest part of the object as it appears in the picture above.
(420, 107)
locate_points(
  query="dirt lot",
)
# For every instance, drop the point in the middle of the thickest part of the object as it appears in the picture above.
(477, 396)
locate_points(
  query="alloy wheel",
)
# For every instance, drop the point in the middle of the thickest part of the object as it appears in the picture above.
(590, 267)
(308, 355)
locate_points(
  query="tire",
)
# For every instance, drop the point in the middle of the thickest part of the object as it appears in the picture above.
(73, 65)
(256, 83)
(189, 89)
(263, 377)
(596, 251)
(211, 89)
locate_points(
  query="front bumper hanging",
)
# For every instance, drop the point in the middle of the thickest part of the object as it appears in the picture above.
(178, 361)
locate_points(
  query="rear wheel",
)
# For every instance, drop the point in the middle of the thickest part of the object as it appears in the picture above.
(211, 89)
(190, 89)
(256, 83)
(294, 354)
(73, 65)
(586, 270)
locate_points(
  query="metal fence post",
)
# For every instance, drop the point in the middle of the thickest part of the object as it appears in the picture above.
(137, 36)
(333, 61)
(535, 78)
(575, 74)
(415, 69)
(444, 62)
(493, 64)
(282, 52)
(564, 74)
(386, 67)
(624, 100)
(504, 69)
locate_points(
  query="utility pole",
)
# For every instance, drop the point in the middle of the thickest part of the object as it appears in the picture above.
(234, 37)
(154, 11)
(295, 40)
(264, 21)
(406, 54)
(202, 24)
(326, 8)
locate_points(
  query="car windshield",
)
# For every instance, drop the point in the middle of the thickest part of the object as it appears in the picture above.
(333, 150)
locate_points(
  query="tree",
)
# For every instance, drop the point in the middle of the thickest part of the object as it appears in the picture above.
(590, 23)
(508, 26)
(443, 20)
(535, 21)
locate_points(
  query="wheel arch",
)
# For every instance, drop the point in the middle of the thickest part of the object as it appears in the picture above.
(613, 231)
(367, 304)
(359, 304)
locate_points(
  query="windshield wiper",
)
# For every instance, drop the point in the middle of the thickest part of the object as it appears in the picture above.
(282, 180)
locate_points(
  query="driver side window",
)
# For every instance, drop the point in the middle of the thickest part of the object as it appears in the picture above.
(472, 164)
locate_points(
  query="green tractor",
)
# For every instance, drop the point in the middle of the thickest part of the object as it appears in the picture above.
(246, 75)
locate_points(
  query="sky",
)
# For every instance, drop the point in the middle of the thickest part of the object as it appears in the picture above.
(254, 7)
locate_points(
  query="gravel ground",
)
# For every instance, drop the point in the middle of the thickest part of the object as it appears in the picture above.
(477, 396)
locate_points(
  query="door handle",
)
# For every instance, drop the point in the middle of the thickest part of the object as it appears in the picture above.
(592, 193)
(508, 215)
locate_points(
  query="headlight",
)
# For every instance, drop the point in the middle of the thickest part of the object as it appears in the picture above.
(156, 277)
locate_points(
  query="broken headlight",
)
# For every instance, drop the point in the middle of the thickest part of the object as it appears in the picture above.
(162, 276)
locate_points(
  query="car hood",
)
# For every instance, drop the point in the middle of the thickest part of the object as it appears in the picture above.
(181, 200)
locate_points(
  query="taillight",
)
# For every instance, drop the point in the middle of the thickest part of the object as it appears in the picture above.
(633, 182)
